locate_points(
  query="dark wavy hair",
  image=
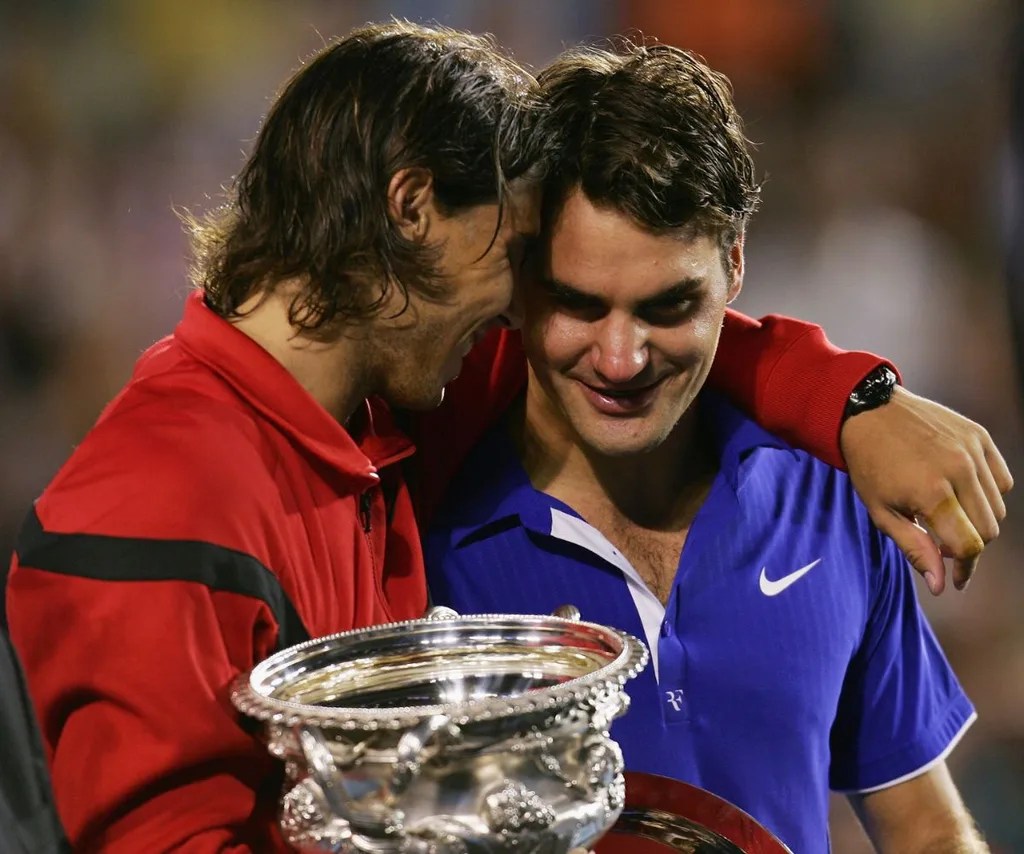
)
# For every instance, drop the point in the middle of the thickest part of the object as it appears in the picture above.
(311, 200)
(651, 131)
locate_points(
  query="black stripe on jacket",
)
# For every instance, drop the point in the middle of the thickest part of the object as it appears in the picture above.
(107, 558)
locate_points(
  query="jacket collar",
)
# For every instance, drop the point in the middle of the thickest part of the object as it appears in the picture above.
(269, 388)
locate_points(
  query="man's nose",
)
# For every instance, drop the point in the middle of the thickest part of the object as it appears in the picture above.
(620, 352)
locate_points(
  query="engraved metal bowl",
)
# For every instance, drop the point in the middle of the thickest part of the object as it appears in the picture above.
(464, 734)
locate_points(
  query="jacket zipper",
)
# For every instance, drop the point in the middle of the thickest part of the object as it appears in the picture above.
(365, 505)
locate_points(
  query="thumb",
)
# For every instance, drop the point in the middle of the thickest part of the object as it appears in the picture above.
(915, 542)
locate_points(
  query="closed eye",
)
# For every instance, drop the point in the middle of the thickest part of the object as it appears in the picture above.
(667, 313)
(570, 300)
(673, 305)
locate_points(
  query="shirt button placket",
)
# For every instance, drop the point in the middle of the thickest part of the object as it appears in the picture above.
(671, 672)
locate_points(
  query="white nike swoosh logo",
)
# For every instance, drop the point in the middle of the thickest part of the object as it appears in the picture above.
(774, 588)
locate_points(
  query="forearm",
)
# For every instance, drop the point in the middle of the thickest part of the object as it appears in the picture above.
(972, 844)
(925, 815)
(953, 840)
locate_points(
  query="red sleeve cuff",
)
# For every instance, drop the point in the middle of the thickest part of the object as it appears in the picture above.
(791, 379)
(808, 391)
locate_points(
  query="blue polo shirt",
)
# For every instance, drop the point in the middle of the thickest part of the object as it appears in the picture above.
(792, 658)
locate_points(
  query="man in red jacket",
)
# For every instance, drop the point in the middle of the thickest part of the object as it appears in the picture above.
(249, 487)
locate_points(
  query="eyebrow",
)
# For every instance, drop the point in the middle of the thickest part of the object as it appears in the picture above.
(667, 297)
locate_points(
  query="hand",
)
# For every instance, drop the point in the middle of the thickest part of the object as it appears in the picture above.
(916, 463)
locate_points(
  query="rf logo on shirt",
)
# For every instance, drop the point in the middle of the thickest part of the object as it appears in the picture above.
(675, 699)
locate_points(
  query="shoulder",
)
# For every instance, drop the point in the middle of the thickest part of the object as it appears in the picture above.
(172, 453)
(771, 475)
(788, 471)
(798, 496)
(798, 488)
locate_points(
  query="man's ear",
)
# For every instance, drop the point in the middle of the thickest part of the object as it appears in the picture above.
(411, 202)
(735, 269)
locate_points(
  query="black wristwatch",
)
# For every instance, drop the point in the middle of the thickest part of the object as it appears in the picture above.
(872, 391)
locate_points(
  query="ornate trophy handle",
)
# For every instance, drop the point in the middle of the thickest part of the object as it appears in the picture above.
(440, 612)
(324, 773)
(567, 612)
(413, 744)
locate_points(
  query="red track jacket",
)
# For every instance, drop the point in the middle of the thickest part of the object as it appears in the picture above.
(216, 513)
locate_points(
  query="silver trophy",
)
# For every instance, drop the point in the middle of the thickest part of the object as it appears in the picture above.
(449, 734)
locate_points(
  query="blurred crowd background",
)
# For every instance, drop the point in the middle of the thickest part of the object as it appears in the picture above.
(881, 127)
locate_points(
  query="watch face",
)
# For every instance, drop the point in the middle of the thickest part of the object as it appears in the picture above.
(664, 815)
(873, 391)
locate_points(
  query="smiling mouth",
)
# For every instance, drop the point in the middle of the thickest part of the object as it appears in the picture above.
(610, 401)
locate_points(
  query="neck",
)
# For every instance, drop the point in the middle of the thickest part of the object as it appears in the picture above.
(335, 371)
(660, 489)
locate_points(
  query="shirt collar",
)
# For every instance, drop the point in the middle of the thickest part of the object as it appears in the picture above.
(510, 497)
(270, 389)
(502, 492)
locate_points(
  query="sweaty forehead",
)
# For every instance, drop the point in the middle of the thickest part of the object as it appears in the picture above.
(596, 248)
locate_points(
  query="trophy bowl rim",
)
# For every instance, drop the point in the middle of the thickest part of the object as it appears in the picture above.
(254, 703)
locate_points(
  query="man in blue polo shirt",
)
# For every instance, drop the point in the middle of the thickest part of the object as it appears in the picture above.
(789, 653)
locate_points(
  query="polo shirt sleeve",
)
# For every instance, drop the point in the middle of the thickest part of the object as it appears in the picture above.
(901, 709)
(133, 602)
